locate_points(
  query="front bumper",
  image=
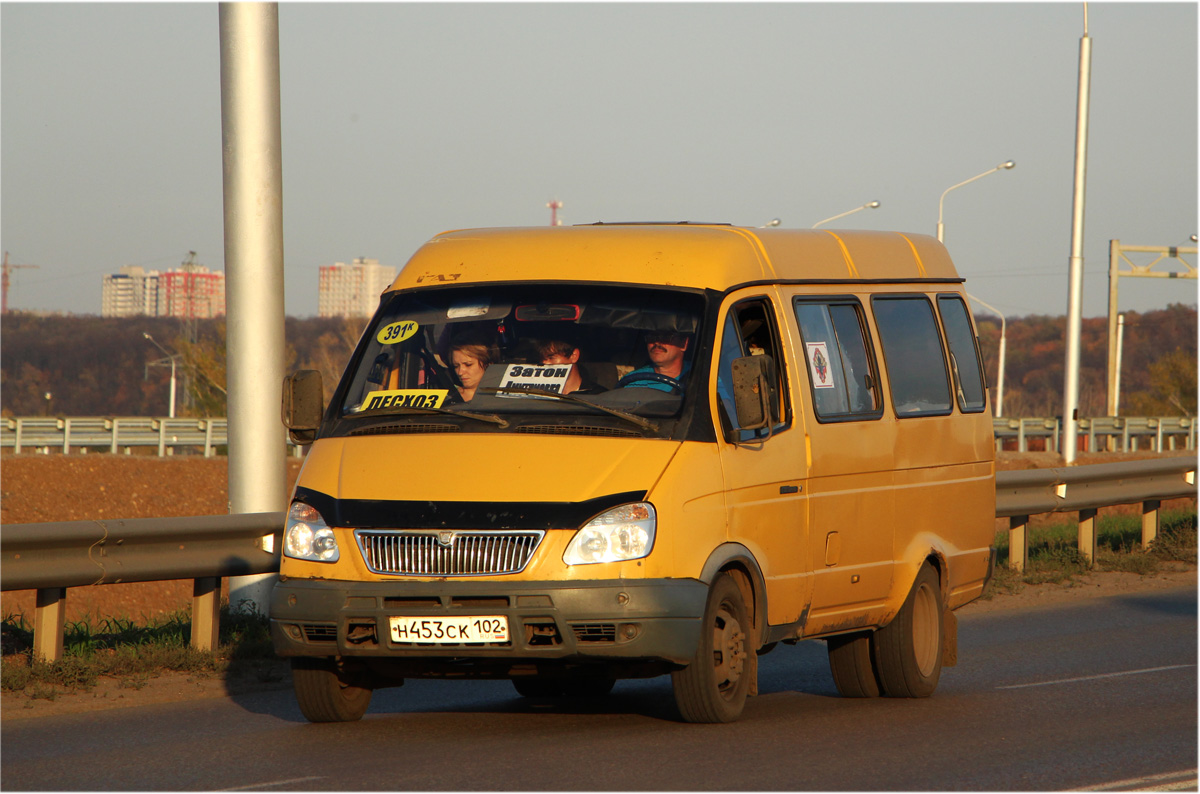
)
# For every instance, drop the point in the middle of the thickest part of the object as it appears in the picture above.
(588, 621)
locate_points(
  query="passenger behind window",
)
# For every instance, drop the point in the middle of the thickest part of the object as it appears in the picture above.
(560, 351)
(470, 357)
(667, 363)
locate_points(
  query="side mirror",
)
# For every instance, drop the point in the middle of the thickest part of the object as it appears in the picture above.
(752, 391)
(303, 405)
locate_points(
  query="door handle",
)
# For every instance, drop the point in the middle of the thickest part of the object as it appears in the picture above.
(789, 489)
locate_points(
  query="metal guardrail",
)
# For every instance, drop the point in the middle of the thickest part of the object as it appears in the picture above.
(117, 433)
(51, 557)
(1085, 489)
(1111, 433)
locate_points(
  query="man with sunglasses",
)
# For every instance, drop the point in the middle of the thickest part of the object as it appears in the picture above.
(667, 367)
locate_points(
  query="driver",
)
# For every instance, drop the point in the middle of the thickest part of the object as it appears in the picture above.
(667, 365)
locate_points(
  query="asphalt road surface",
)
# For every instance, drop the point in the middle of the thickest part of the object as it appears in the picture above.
(1097, 695)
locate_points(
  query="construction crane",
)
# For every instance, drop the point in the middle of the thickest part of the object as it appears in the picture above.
(4, 281)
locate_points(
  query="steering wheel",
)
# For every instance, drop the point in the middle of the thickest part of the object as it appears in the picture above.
(653, 377)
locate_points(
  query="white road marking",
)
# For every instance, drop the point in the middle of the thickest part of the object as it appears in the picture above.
(275, 783)
(1095, 677)
(1168, 781)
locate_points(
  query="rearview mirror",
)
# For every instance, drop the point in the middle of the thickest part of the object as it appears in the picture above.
(752, 392)
(303, 405)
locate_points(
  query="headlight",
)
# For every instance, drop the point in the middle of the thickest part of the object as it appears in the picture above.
(623, 533)
(306, 537)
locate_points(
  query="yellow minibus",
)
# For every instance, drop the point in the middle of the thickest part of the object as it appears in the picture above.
(569, 455)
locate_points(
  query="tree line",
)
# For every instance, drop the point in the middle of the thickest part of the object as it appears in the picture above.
(94, 366)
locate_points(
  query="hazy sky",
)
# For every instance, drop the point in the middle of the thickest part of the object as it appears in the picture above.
(404, 120)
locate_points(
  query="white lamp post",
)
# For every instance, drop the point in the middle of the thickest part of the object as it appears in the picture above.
(1007, 165)
(870, 205)
(770, 223)
(171, 358)
(1000, 361)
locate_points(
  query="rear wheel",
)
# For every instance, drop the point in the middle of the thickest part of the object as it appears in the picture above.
(908, 651)
(714, 687)
(324, 694)
(850, 663)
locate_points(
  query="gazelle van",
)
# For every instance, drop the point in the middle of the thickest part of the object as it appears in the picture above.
(566, 456)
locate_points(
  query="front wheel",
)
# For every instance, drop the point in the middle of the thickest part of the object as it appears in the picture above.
(908, 651)
(324, 694)
(714, 687)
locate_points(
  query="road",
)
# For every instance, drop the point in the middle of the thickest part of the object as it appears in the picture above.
(1098, 694)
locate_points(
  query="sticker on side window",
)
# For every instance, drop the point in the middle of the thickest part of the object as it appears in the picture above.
(404, 398)
(552, 377)
(818, 365)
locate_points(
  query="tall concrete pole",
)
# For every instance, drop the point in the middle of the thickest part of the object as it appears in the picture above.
(1070, 411)
(253, 180)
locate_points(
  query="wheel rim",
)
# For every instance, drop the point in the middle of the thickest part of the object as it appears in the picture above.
(926, 637)
(729, 651)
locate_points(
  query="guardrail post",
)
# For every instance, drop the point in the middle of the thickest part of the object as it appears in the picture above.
(208, 450)
(206, 613)
(1018, 542)
(1021, 435)
(66, 436)
(17, 439)
(113, 447)
(1149, 522)
(1087, 535)
(162, 437)
(48, 624)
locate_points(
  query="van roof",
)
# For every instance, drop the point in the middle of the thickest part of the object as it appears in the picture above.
(712, 256)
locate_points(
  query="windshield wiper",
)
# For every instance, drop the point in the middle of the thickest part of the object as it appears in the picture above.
(491, 418)
(628, 417)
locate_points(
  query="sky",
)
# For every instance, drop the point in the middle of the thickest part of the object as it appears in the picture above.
(403, 120)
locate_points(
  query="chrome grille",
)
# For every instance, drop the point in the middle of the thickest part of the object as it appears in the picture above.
(439, 553)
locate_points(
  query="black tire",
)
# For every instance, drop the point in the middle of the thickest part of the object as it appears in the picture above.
(850, 663)
(589, 687)
(323, 694)
(536, 687)
(584, 687)
(908, 651)
(714, 687)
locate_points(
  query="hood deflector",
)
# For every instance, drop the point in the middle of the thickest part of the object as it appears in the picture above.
(402, 514)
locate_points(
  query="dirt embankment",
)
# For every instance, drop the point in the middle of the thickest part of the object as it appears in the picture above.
(40, 488)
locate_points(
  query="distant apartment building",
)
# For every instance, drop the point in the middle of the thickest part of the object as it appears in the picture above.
(193, 292)
(352, 290)
(130, 293)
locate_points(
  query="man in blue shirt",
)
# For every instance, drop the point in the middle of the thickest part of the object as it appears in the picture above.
(667, 367)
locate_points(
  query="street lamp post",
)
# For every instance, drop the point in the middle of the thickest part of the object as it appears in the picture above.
(170, 357)
(870, 205)
(1000, 357)
(770, 223)
(1006, 165)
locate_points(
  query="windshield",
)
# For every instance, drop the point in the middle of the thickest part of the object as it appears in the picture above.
(494, 354)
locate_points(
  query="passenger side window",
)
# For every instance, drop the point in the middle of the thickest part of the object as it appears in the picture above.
(964, 354)
(750, 331)
(840, 364)
(912, 353)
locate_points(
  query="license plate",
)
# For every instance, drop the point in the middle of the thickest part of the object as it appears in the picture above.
(450, 631)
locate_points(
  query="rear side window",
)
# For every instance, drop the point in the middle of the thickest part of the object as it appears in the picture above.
(964, 354)
(840, 366)
(912, 354)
